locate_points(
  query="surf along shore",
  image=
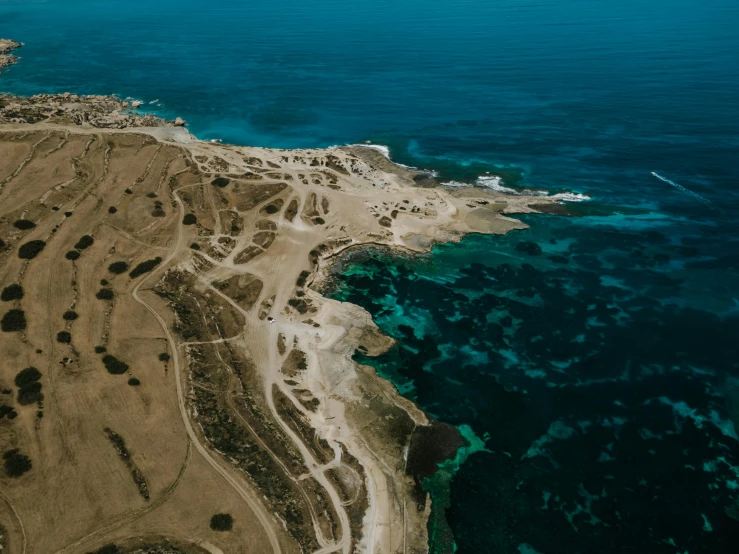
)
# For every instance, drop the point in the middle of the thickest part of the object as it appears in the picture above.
(261, 393)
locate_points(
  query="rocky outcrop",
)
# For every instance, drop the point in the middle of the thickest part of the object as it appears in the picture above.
(6, 47)
(105, 112)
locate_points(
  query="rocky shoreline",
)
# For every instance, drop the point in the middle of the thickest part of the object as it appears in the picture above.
(104, 112)
(6, 47)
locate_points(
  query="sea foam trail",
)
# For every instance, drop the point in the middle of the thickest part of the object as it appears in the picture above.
(683, 189)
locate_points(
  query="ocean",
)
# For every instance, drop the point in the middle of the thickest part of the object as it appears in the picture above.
(591, 360)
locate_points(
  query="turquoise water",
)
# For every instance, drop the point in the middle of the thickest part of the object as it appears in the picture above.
(600, 373)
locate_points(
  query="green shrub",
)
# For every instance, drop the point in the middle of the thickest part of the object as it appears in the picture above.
(26, 376)
(195, 246)
(11, 292)
(221, 522)
(189, 219)
(134, 382)
(163, 357)
(31, 249)
(320, 220)
(100, 349)
(145, 267)
(271, 209)
(118, 267)
(104, 294)
(16, 464)
(64, 337)
(103, 282)
(72, 255)
(24, 224)
(114, 365)
(112, 210)
(151, 194)
(70, 315)
(220, 182)
(13, 320)
(84, 242)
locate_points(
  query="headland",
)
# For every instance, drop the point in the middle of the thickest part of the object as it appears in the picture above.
(164, 289)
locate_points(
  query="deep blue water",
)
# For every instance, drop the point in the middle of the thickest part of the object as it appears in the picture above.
(601, 374)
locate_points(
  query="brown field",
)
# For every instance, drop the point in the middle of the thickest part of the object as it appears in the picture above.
(247, 400)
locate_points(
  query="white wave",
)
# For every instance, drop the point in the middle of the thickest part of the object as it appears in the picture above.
(683, 189)
(154, 101)
(492, 182)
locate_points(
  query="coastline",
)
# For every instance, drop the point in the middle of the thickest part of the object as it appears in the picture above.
(422, 214)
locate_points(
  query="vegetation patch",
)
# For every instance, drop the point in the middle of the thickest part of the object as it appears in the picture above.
(30, 249)
(16, 464)
(104, 294)
(13, 320)
(125, 455)
(64, 337)
(24, 224)
(118, 267)
(84, 242)
(220, 182)
(195, 246)
(72, 255)
(12, 292)
(144, 267)
(112, 210)
(70, 315)
(189, 219)
(100, 349)
(114, 365)
(29, 388)
(134, 382)
(163, 357)
(222, 522)
(7, 412)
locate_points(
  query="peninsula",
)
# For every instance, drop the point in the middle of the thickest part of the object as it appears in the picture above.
(171, 378)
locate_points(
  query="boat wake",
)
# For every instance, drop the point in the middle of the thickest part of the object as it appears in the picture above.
(683, 189)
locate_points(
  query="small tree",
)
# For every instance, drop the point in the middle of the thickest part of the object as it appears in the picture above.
(104, 294)
(24, 224)
(221, 522)
(163, 357)
(12, 292)
(64, 337)
(189, 219)
(145, 267)
(114, 365)
(84, 242)
(72, 255)
(118, 267)
(16, 464)
(70, 315)
(26, 376)
(134, 382)
(13, 320)
(31, 249)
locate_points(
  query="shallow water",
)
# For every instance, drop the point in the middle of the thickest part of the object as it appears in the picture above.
(600, 374)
